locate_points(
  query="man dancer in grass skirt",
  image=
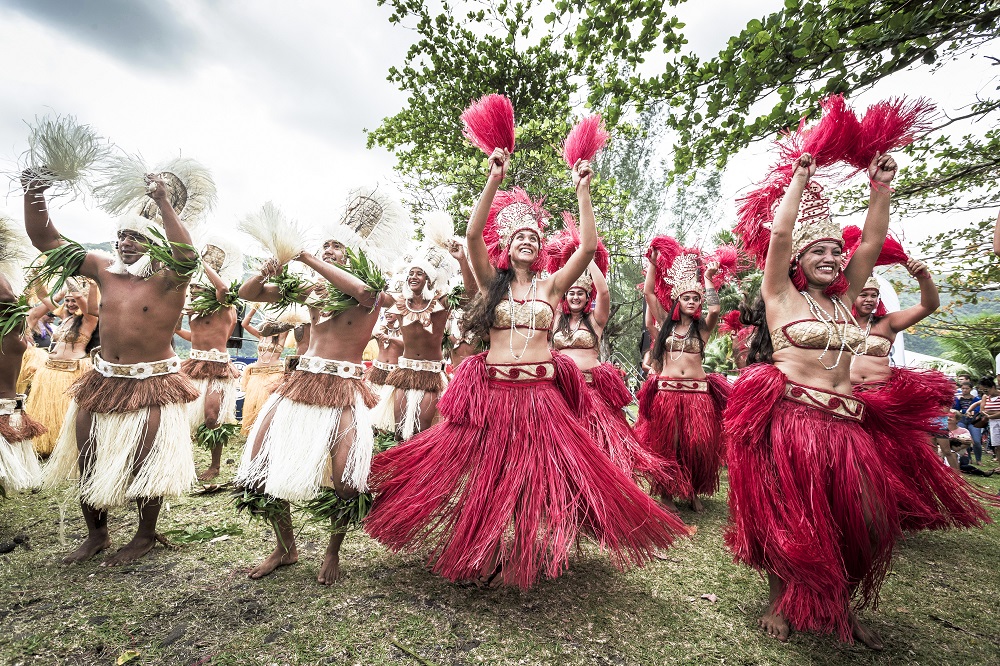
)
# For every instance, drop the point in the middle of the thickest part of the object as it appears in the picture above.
(127, 434)
(313, 440)
(212, 316)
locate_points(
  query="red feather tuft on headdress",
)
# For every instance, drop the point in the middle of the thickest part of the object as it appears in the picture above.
(730, 323)
(563, 244)
(585, 140)
(892, 250)
(668, 250)
(497, 239)
(489, 123)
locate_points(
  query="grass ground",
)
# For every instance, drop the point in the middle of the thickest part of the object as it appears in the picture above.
(195, 605)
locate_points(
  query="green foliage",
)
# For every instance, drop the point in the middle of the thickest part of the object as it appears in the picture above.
(292, 289)
(209, 438)
(385, 440)
(974, 342)
(337, 513)
(13, 316)
(358, 265)
(181, 258)
(58, 264)
(204, 301)
(259, 505)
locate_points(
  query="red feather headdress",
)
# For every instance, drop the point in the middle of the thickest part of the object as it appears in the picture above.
(511, 212)
(564, 243)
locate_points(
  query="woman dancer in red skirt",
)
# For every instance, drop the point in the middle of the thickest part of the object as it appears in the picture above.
(903, 406)
(577, 333)
(680, 406)
(500, 491)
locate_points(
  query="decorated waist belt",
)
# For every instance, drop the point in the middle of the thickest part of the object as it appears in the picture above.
(9, 406)
(325, 366)
(267, 369)
(521, 372)
(266, 349)
(213, 355)
(137, 370)
(63, 364)
(422, 366)
(683, 385)
(837, 404)
(388, 367)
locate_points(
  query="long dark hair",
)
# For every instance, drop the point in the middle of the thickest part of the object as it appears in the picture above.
(585, 317)
(759, 348)
(481, 314)
(695, 330)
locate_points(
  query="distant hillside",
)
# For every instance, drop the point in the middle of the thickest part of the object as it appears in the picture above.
(989, 303)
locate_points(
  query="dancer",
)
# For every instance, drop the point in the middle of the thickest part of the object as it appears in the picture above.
(576, 332)
(67, 359)
(19, 468)
(390, 346)
(261, 377)
(423, 310)
(38, 338)
(212, 316)
(903, 406)
(313, 440)
(680, 405)
(126, 432)
(501, 489)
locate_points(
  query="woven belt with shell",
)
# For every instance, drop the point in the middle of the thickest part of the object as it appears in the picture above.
(381, 365)
(63, 364)
(683, 385)
(213, 355)
(137, 370)
(9, 406)
(423, 366)
(325, 366)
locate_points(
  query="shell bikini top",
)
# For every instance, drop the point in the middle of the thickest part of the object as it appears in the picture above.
(814, 334)
(578, 339)
(64, 334)
(534, 314)
(877, 345)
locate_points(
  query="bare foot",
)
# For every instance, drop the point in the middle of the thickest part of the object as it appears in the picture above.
(696, 504)
(668, 503)
(91, 546)
(131, 551)
(774, 625)
(329, 573)
(865, 634)
(209, 474)
(279, 558)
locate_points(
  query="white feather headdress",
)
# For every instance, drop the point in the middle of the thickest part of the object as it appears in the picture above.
(190, 188)
(62, 152)
(229, 265)
(374, 221)
(15, 253)
(433, 257)
(281, 237)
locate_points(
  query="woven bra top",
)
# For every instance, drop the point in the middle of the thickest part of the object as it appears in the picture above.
(688, 345)
(814, 334)
(63, 334)
(522, 315)
(578, 339)
(877, 345)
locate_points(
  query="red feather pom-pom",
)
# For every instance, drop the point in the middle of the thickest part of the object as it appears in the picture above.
(892, 250)
(728, 259)
(668, 249)
(887, 126)
(730, 323)
(585, 140)
(489, 123)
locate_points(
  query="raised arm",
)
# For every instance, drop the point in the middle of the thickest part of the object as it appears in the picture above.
(93, 300)
(577, 263)
(776, 284)
(247, 323)
(346, 282)
(602, 309)
(42, 232)
(221, 288)
(479, 258)
(712, 298)
(653, 306)
(929, 299)
(457, 250)
(881, 172)
(174, 231)
(256, 288)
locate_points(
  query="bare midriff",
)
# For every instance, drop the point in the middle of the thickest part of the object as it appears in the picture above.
(212, 331)
(138, 316)
(344, 337)
(418, 343)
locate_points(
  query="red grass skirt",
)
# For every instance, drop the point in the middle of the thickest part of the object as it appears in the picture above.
(685, 428)
(511, 476)
(612, 432)
(900, 412)
(801, 482)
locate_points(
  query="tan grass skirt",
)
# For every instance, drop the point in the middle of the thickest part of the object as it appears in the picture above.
(49, 399)
(259, 382)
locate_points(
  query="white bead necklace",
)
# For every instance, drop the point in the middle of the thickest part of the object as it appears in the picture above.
(533, 290)
(830, 322)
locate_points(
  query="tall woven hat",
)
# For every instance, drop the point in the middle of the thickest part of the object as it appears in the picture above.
(375, 222)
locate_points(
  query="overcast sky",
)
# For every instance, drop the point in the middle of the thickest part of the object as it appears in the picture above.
(273, 97)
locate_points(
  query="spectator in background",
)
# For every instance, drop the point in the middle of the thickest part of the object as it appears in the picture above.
(989, 404)
(959, 439)
(966, 408)
(963, 378)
